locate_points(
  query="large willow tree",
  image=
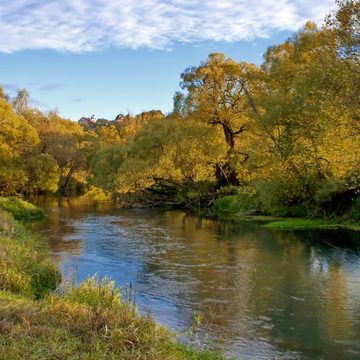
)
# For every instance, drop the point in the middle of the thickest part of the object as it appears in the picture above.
(220, 92)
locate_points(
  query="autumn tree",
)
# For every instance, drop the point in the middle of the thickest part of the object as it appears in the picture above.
(344, 26)
(21, 101)
(309, 144)
(17, 139)
(22, 170)
(66, 142)
(220, 92)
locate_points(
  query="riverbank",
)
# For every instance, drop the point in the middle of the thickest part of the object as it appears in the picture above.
(231, 208)
(44, 318)
(288, 224)
(227, 208)
(245, 204)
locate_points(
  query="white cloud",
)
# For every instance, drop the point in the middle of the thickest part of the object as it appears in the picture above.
(89, 25)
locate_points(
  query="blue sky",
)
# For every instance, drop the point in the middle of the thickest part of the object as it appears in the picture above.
(106, 57)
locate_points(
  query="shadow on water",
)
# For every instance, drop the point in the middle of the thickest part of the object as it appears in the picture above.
(260, 293)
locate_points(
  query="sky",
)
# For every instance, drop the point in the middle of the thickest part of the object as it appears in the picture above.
(105, 57)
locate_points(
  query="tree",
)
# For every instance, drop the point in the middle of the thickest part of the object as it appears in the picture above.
(220, 93)
(43, 174)
(179, 107)
(17, 140)
(67, 142)
(306, 126)
(21, 101)
(345, 22)
(344, 25)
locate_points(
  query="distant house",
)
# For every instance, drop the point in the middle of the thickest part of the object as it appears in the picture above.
(121, 118)
(103, 122)
(87, 121)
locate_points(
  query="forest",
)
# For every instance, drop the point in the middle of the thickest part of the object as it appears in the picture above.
(281, 138)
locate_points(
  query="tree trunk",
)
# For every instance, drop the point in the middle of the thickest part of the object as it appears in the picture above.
(229, 136)
(224, 174)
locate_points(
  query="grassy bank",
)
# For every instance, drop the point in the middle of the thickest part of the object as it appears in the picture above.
(25, 268)
(305, 224)
(245, 208)
(20, 209)
(44, 319)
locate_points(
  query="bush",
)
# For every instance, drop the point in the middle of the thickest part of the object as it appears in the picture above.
(354, 214)
(245, 202)
(283, 198)
(327, 190)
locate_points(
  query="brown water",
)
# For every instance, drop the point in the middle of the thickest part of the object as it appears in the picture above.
(262, 294)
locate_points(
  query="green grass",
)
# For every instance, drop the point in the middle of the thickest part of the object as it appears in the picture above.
(281, 223)
(286, 224)
(306, 224)
(25, 267)
(88, 322)
(20, 209)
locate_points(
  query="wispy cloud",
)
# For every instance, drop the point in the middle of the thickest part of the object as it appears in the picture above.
(9, 87)
(77, 100)
(39, 85)
(90, 25)
(12, 88)
(37, 103)
(50, 87)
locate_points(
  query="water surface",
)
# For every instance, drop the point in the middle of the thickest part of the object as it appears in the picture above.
(262, 294)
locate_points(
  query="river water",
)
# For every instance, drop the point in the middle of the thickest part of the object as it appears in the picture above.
(261, 294)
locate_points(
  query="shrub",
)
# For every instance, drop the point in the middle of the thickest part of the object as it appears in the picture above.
(245, 202)
(354, 214)
(283, 197)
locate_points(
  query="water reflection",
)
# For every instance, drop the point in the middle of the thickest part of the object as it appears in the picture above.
(262, 293)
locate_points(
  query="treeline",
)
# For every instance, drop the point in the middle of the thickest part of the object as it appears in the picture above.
(43, 153)
(283, 136)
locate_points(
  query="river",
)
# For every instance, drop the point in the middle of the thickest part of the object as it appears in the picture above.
(260, 294)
